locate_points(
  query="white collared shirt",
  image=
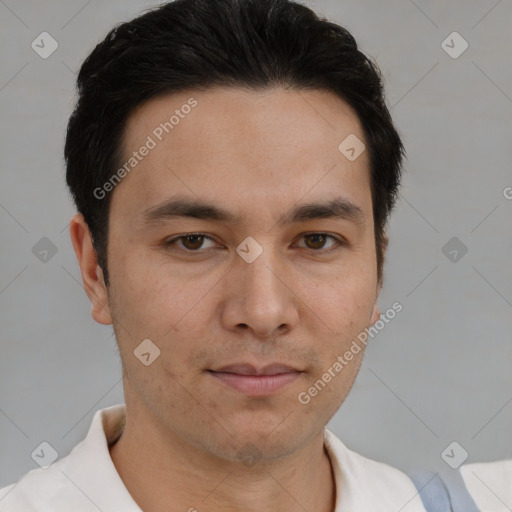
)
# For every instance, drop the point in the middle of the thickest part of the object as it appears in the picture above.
(86, 480)
(490, 484)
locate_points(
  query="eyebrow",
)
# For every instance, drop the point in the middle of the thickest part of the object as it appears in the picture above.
(338, 208)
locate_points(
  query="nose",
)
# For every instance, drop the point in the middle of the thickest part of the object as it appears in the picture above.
(259, 297)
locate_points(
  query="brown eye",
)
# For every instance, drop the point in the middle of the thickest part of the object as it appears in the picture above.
(191, 242)
(317, 241)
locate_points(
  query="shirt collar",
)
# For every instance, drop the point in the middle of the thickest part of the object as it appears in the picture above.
(96, 466)
(91, 469)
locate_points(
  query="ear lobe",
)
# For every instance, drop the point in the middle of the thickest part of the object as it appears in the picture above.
(375, 314)
(92, 275)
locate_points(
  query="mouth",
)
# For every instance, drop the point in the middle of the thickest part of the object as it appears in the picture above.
(256, 382)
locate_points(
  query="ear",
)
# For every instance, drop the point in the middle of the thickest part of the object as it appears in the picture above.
(92, 275)
(376, 310)
(375, 313)
(384, 241)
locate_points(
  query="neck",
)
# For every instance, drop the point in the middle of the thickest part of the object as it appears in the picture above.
(171, 471)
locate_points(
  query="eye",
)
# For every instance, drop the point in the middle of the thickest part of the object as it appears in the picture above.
(191, 242)
(194, 242)
(316, 241)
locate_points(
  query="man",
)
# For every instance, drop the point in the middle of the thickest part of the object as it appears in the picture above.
(234, 165)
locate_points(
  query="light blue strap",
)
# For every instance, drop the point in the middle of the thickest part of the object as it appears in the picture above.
(460, 498)
(432, 492)
(448, 494)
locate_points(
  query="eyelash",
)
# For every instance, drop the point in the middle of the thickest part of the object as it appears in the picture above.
(340, 242)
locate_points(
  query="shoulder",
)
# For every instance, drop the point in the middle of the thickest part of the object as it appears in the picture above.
(366, 484)
(77, 481)
(37, 488)
(490, 484)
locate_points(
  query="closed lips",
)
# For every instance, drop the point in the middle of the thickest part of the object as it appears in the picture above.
(248, 369)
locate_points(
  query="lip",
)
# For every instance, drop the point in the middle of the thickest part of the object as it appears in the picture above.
(256, 382)
(256, 385)
(249, 369)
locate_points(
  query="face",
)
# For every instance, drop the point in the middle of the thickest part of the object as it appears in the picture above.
(259, 277)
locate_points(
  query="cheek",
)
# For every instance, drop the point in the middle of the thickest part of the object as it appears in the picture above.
(160, 305)
(344, 303)
(153, 298)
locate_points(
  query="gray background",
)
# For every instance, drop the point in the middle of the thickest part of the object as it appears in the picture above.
(439, 372)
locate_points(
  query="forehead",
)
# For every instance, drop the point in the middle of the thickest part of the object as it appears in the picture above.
(242, 146)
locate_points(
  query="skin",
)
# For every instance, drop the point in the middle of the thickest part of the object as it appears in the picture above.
(301, 302)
